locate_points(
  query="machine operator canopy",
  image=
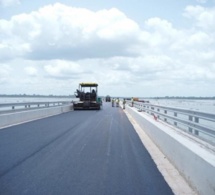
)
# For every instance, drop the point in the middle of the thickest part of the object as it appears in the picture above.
(88, 84)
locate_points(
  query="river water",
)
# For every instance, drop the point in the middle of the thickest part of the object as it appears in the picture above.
(200, 105)
(6, 100)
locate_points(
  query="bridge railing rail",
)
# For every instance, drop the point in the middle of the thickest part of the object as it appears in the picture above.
(198, 124)
(14, 107)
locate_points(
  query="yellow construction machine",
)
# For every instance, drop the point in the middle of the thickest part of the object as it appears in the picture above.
(88, 97)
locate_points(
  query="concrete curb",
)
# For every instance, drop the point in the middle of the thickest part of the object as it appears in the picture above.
(195, 163)
(25, 116)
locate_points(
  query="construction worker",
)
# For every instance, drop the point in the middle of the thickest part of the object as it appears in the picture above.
(112, 102)
(117, 102)
(132, 102)
(123, 103)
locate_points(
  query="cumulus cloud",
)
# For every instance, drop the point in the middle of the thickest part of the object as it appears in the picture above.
(76, 44)
(203, 17)
(62, 32)
(63, 69)
(159, 34)
(31, 71)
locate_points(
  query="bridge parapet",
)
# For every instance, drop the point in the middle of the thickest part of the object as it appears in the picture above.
(198, 124)
(193, 158)
(31, 111)
(14, 107)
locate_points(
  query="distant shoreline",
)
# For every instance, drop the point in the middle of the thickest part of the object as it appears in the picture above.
(188, 98)
(72, 96)
(37, 96)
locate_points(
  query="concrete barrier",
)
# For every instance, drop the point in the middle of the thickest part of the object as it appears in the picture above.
(20, 117)
(195, 162)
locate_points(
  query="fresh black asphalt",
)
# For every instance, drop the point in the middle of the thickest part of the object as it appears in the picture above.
(78, 153)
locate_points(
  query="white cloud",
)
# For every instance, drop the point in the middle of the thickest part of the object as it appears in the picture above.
(203, 17)
(5, 72)
(7, 3)
(193, 11)
(31, 71)
(63, 69)
(59, 44)
(200, 39)
(70, 33)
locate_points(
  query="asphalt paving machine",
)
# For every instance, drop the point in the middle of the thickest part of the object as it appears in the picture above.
(88, 97)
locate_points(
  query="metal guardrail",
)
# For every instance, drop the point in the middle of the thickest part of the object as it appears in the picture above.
(198, 124)
(14, 107)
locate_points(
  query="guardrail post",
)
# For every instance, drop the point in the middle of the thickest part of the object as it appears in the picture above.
(158, 116)
(175, 115)
(165, 112)
(144, 108)
(190, 118)
(196, 119)
(196, 132)
(147, 109)
(190, 130)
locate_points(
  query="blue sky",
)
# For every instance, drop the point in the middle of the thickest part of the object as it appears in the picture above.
(138, 10)
(131, 48)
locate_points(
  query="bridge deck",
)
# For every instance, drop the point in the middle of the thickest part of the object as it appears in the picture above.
(81, 152)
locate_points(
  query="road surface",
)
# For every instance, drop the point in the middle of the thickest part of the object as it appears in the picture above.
(80, 152)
